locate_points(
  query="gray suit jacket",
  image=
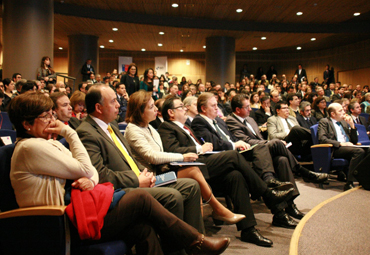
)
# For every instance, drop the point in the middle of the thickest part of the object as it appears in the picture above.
(105, 155)
(242, 132)
(276, 129)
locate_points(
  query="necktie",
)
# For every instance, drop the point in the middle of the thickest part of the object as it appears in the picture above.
(342, 130)
(129, 160)
(249, 126)
(191, 133)
(357, 121)
(220, 132)
(289, 126)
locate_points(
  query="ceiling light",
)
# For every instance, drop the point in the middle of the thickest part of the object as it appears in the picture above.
(143, 49)
(115, 29)
(102, 46)
(356, 14)
(299, 48)
(60, 48)
(204, 46)
(263, 38)
(313, 39)
(239, 10)
(161, 33)
(181, 50)
(254, 48)
(160, 45)
(111, 41)
(175, 5)
(299, 13)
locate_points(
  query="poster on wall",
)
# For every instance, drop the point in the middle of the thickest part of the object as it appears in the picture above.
(123, 63)
(160, 65)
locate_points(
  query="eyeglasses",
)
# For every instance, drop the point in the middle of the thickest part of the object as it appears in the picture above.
(284, 108)
(48, 117)
(178, 107)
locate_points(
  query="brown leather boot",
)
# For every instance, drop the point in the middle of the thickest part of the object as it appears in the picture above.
(208, 245)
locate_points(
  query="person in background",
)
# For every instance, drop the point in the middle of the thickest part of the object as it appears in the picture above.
(159, 119)
(147, 83)
(78, 105)
(86, 70)
(63, 109)
(131, 80)
(304, 117)
(8, 93)
(122, 99)
(45, 72)
(319, 109)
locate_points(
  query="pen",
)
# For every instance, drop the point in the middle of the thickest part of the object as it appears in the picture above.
(202, 140)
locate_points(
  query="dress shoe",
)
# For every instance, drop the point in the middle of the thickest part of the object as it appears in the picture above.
(253, 236)
(315, 177)
(293, 211)
(236, 218)
(276, 184)
(342, 177)
(274, 197)
(348, 185)
(283, 220)
(208, 245)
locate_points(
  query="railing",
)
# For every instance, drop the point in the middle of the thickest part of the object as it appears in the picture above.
(67, 79)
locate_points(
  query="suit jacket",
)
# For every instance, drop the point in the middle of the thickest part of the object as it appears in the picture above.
(105, 155)
(327, 134)
(319, 115)
(336, 97)
(363, 122)
(155, 123)
(242, 132)
(84, 70)
(203, 130)
(74, 122)
(261, 116)
(306, 123)
(300, 76)
(276, 129)
(122, 107)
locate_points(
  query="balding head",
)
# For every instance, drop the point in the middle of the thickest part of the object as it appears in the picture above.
(335, 111)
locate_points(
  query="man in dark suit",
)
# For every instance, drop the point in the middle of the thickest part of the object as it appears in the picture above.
(339, 95)
(86, 70)
(63, 109)
(122, 99)
(210, 128)
(340, 131)
(226, 171)
(301, 73)
(264, 112)
(304, 117)
(355, 110)
(111, 156)
(159, 119)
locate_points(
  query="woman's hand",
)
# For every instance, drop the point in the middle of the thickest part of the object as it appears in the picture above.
(190, 157)
(54, 129)
(83, 184)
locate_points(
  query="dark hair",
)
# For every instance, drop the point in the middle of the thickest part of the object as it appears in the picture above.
(237, 101)
(130, 66)
(26, 86)
(203, 100)
(27, 107)
(146, 74)
(55, 96)
(119, 84)
(168, 104)
(253, 94)
(1, 94)
(183, 96)
(136, 106)
(93, 96)
(316, 103)
(278, 104)
(15, 75)
(49, 66)
(6, 82)
(290, 97)
(351, 106)
(265, 98)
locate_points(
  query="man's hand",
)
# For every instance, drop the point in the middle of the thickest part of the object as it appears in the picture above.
(349, 120)
(207, 147)
(145, 179)
(242, 145)
(346, 144)
(83, 184)
(190, 157)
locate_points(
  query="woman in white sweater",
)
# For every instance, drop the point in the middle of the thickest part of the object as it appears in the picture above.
(147, 148)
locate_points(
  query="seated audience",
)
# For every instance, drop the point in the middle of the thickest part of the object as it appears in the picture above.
(122, 99)
(319, 108)
(321, 93)
(293, 103)
(63, 109)
(159, 119)
(255, 101)
(264, 112)
(355, 110)
(339, 130)
(40, 167)
(78, 105)
(366, 103)
(9, 87)
(45, 72)
(191, 109)
(147, 149)
(304, 117)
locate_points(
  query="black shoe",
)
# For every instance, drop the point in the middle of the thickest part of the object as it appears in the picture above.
(276, 184)
(283, 220)
(274, 197)
(315, 177)
(342, 177)
(348, 185)
(293, 211)
(253, 236)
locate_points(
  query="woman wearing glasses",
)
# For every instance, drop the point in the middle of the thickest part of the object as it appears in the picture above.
(40, 167)
(147, 148)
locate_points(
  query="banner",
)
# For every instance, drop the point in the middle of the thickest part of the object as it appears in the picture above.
(123, 63)
(160, 65)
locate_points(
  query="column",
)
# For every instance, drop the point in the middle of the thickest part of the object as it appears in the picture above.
(220, 59)
(80, 49)
(28, 35)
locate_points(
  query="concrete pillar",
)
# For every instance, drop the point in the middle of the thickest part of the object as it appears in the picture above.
(220, 59)
(28, 35)
(81, 48)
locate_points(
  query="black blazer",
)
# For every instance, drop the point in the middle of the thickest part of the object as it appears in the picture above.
(84, 70)
(132, 85)
(300, 76)
(203, 130)
(327, 134)
(306, 123)
(155, 123)
(261, 116)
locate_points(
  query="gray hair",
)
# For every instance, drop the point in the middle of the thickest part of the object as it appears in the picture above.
(189, 100)
(303, 105)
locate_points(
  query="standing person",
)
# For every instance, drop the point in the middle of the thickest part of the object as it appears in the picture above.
(147, 83)
(45, 72)
(131, 80)
(301, 73)
(86, 70)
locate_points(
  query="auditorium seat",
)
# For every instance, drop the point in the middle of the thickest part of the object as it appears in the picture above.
(363, 138)
(5, 121)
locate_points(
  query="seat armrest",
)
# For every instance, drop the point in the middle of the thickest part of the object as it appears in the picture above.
(34, 211)
(327, 145)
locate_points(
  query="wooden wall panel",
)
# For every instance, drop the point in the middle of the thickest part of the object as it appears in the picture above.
(354, 77)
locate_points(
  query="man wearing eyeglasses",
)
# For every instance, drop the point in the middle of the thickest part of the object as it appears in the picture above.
(304, 117)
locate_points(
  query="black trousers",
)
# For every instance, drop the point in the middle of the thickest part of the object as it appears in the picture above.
(301, 140)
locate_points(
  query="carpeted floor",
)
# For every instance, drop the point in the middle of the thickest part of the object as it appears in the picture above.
(311, 195)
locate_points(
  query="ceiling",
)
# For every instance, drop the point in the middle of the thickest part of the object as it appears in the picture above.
(186, 27)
